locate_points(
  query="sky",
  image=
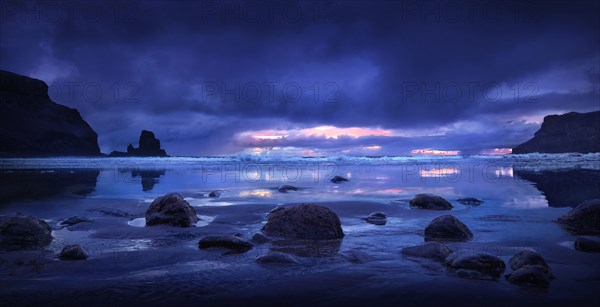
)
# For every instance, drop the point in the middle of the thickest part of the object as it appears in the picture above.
(310, 78)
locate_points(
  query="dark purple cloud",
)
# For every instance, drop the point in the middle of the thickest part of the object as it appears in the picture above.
(200, 73)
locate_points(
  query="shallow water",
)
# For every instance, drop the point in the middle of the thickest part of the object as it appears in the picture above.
(522, 197)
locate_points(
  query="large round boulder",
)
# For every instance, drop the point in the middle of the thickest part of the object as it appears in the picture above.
(531, 275)
(306, 221)
(23, 232)
(430, 250)
(484, 263)
(583, 219)
(430, 202)
(171, 209)
(447, 228)
(526, 257)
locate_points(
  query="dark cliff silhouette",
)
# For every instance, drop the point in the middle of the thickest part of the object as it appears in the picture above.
(33, 125)
(571, 132)
(149, 146)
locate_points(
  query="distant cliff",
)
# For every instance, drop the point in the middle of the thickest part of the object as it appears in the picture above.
(149, 146)
(571, 132)
(33, 125)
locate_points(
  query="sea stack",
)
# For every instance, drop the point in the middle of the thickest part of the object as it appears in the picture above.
(149, 146)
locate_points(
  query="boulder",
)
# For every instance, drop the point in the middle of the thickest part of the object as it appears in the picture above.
(73, 252)
(285, 188)
(75, 220)
(588, 244)
(430, 250)
(338, 179)
(376, 218)
(171, 209)
(276, 209)
(214, 194)
(149, 146)
(570, 132)
(430, 202)
(306, 221)
(447, 228)
(115, 213)
(232, 243)
(277, 258)
(33, 125)
(526, 257)
(583, 219)
(484, 263)
(23, 232)
(531, 275)
(470, 201)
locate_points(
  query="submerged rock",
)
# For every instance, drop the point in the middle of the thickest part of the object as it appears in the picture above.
(588, 244)
(233, 243)
(430, 202)
(483, 263)
(447, 228)
(276, 258)
(306, 221)
(75, 220)
(214, 194)
(470, 201)
(22, 232)
(376, 218)
(285, 188)
(115, 213)
(583, 219)
(430, 250)
(260, 238)
(531, 275)
(356, 256)
(338, 179)
(526, 257)
(73, 252)
(171, 209)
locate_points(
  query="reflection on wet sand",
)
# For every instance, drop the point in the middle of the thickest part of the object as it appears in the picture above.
(566, 188)
(149, 177)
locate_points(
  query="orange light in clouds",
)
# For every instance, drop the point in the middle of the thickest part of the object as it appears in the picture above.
(372, 147)
(323, 131)
(434, 152)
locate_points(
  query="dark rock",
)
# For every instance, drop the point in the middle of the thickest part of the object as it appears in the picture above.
(233, 243)
(73, 252)
(23, 232)
(583, 219)
(171, 209)
(276, 209)
(483, 263)
(115, 213)
(470, 201)
(376, 218)
(526, 257)
(430, 202)
(588, 244)
(75, 220)
(338, 179)
(214, 194)
(430, 250)
(571, 132)
(447, 228)
(285, 188)
(531, 275)
(33, 125)
(306, 221)
(259, 238)
(149, 146)
(276, 258)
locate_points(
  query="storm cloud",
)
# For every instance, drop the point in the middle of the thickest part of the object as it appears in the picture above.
(204, 75)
